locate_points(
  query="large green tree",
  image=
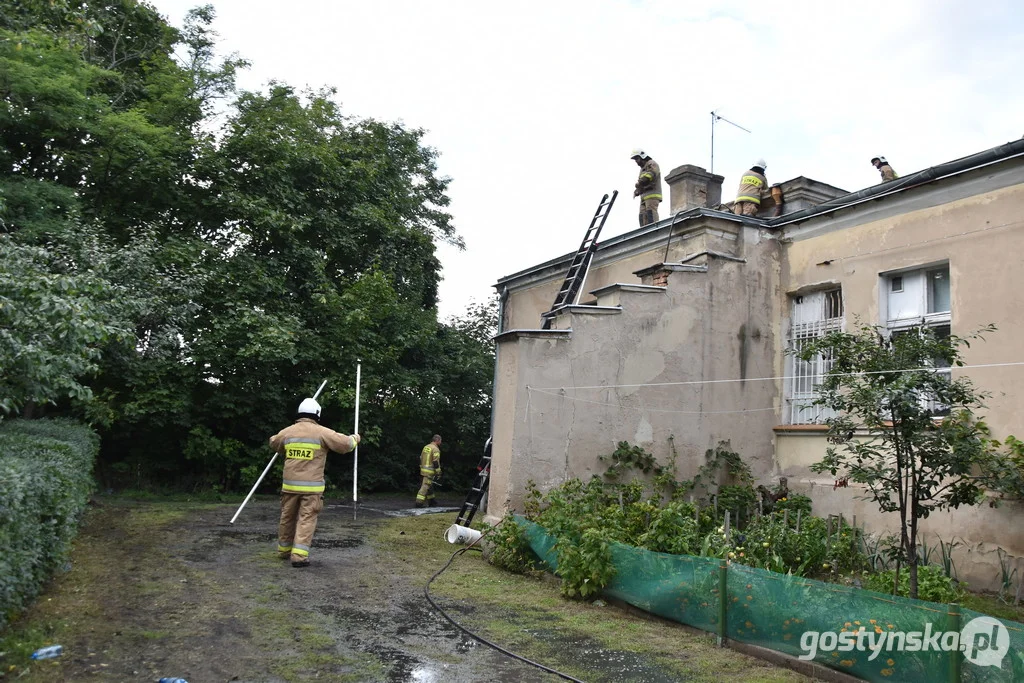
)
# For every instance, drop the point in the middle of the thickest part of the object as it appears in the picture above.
(54, 318)
(232, 262)
(100, 117)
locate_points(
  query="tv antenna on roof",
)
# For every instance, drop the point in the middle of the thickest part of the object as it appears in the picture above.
(715, 117)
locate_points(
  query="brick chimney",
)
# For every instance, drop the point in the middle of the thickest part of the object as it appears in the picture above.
(692, 186)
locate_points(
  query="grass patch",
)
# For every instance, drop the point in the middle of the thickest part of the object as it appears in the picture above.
(154, 635)
(117, 554)
(989, 603)
(528, 615)
(300, 649)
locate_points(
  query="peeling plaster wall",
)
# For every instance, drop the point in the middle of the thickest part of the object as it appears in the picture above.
(705, 325)
(982, 238)
(981, 529)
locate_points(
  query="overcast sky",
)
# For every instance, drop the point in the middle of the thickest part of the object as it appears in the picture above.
(535, 106)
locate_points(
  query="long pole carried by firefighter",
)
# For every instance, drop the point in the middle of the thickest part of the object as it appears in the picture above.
(355, 458)
(267, 468)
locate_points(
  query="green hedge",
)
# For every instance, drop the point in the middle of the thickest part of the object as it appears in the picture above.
(45, 482)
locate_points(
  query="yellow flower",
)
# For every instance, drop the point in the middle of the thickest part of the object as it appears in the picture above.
(750, 597)
(847, 624)
(890, 626)
(846, 662)
(748, 625)
(765, 544)
(857, 622)
(887, 672)
(835, 654)
(890, 662)
(872, 621)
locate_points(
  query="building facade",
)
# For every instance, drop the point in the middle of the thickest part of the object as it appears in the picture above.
(682, 340)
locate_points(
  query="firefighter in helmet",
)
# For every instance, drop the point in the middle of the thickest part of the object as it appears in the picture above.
(304, 446)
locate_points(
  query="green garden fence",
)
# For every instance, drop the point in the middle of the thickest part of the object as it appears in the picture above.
(870, 635)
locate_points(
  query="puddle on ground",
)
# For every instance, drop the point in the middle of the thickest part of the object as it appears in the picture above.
(402, 666)
(337, 542)
(619, 664)
(408, 512)
(247, 536)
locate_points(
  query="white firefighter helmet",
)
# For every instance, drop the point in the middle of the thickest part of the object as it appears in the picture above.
(309, 406)
(638, 152)
(882, 160)
(760, 164)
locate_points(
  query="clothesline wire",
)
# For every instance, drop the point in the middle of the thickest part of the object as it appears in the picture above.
(656, 410)
(772, 379)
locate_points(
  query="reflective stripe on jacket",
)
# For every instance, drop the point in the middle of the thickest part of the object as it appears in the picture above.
(649, 182)
(751, 185)
(430, 459)
(304, 446)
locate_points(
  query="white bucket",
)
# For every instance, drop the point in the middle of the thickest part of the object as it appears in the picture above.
(461, 535)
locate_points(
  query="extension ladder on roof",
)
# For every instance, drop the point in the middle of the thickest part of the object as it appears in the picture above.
(569, 293)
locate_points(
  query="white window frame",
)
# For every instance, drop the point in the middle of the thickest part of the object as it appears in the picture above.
(812, 316)
(926, 317)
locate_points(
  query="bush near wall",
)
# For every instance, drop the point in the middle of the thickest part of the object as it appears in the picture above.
(45, 482)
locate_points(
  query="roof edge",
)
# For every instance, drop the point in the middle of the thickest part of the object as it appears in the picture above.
(987, 157)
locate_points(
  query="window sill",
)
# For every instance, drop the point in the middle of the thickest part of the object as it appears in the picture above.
(800, 429)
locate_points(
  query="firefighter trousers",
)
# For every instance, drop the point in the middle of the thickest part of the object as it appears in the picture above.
(298, 522)
(649, 211)
(426, 492)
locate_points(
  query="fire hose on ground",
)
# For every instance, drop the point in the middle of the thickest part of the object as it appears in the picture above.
(457, 534)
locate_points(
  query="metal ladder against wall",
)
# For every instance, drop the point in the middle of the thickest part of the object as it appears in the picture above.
(577, 275)
(476, 494)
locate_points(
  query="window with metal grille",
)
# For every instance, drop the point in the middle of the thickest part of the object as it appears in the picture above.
(922, 301)
(813, 316)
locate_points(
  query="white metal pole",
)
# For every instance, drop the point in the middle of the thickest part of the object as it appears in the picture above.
(254, 487)
(355, 459)
(322, 385)
(267, 468)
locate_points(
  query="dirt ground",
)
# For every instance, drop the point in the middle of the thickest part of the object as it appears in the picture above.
(171, 589)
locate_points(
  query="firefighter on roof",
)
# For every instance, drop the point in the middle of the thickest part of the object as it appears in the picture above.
(748, 196)
(884, 168)
(648, 187)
